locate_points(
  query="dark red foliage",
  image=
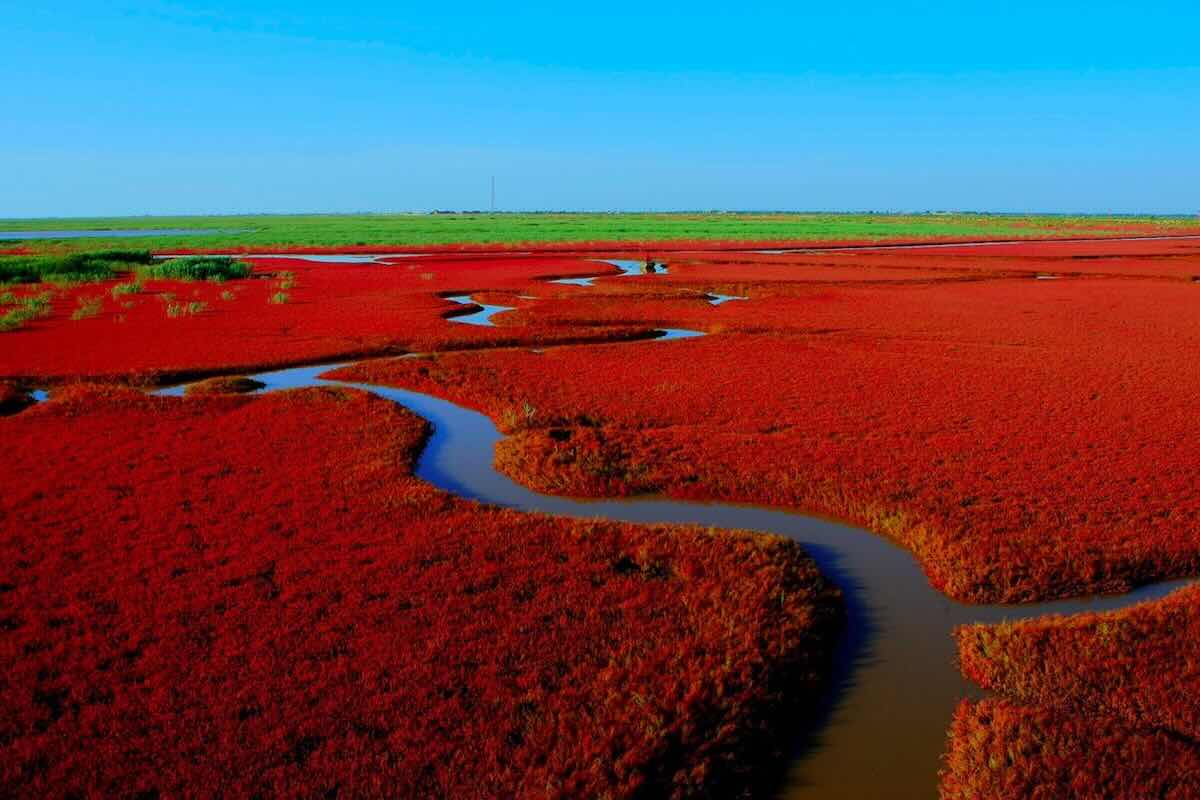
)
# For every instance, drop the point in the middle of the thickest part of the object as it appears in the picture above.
(1024, 438)
(253, 596)
(1096, 705)
(1002, 751)
(1141, 664)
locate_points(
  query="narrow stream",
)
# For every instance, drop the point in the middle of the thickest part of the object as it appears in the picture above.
(481, 317)
(882, 725)
(629, 269)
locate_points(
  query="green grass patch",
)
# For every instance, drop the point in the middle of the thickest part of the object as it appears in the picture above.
(261, 233)
(130, 287)
(176, 310)
(71, 268)
(196, 268)
(27, 308)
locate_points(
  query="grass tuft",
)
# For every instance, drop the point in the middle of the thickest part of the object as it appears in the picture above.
(27, 309)
(196, 268)
(87, 307)
(130, 287)
(176, 310)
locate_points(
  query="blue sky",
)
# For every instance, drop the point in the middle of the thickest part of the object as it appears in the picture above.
(169, 107)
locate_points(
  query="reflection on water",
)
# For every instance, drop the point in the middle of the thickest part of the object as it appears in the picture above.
(629, 269)
(481, 317)
(718, 299)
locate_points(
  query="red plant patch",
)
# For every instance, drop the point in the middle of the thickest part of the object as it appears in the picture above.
(253, 596)
(1095, 705)
(1024, 438)
(1002, 751)
(289, 312)
(1141, 664)
(1168, 259)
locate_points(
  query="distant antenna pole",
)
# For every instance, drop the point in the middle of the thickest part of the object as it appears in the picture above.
(493, 194)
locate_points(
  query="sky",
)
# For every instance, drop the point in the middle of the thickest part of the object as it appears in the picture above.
(114, 107)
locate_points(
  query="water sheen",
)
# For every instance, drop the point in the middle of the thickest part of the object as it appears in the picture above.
(881, 726)
(481, 317)
(718, 299)
(629, 269)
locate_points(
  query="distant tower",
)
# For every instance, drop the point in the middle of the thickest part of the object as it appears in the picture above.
(493, 194)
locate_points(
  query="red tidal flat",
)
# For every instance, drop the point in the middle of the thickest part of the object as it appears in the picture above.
(1154, 258)
(253, 596)
(330, 311)
(1096, 704)
(1024, 438)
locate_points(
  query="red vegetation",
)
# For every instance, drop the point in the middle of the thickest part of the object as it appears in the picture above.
(217, 592)
(1147, 258)
(253, 596)
(173, 329)
(1110, 705)
(1141, 664)
(1024, 438)
(1002, 751)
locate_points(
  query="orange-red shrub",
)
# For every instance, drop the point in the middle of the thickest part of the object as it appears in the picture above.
(1003, 751)
(253, 596)
(1141, 664)
(1095, 705)
(1024, 438)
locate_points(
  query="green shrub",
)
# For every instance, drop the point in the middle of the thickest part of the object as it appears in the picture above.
(196, 268)
(73, 268)
(131, 287)
(279, 298)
